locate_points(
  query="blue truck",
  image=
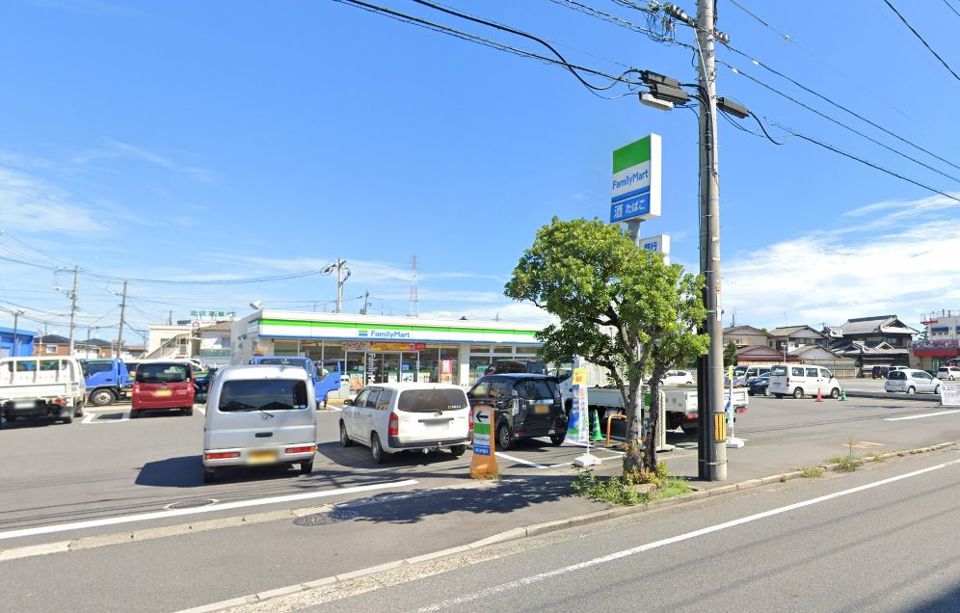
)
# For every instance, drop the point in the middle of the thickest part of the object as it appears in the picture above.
(107, 381)
(322, 384)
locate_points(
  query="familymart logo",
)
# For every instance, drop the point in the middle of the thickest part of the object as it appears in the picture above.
(388, 334)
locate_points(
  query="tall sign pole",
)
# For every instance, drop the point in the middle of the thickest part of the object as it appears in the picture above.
(73, 306)
(712, 453)
(123, 313)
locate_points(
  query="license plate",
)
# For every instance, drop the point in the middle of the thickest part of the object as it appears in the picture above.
(24, 404)
(267, 456)
(163, 393)
(540, 409)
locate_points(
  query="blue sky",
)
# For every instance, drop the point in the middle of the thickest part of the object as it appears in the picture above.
(219, 140)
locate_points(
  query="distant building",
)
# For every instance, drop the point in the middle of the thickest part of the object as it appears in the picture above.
(746, 336)
(84, 349)
(839, 365)
(871, 341)
(940, 343)
(209, 343)
(22, 346)
(788, 338)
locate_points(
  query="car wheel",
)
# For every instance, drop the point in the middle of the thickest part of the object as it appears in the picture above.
(504, 437)
(376, 449)
(798, 393)
(751, 392)
(951, 377)
(134, 413)
(911, 390)
(557, 439)
(187, 411)
(68, 419)
(306, 467)
(766, 392)
(102, 398)
(345, 440)
(936, 390)
(778, 395)
(458, 450)
(835, 393)
(209, 475)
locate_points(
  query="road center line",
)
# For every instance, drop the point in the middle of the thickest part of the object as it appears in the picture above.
(951, 412)
(225, 506)
(512, 585)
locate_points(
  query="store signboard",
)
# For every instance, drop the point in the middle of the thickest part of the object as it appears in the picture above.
(950, 393)
(635, 191)
(659, 243)
(397, 346)
(394, 334)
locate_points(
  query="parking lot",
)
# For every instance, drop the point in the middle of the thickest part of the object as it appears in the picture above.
(106, 466)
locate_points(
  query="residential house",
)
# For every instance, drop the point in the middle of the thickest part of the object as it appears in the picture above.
(759, 355)
(821, 356)
(788, 338)
(940, 343)
(209, 343)
(84, 349)
(883, 339)
(745, 336)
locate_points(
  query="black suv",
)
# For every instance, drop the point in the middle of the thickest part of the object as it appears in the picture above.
(527, 405)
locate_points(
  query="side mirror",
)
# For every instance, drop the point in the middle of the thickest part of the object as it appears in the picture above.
(348, 401)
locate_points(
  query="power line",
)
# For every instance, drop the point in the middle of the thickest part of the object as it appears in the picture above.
(833, 103)
(615, 19)
(838, 122)
(922, 40)
(951, 7)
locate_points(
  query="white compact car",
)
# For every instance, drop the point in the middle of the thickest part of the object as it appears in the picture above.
(677, 377)
(259, 415)
(911, 381)
(799, 380)
(399, 416)
(948, 373)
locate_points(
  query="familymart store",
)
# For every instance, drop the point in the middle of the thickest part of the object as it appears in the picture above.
(374, 349)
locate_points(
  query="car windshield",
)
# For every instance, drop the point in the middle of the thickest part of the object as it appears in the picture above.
(163, 373)
(431, 401)
(91, 368)
(263, 395)
(302, 363)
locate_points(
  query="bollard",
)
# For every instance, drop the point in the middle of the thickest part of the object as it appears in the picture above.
(843, 395)
(483, 465)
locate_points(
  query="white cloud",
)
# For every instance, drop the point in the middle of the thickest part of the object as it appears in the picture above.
(115, 149)
(33, 205)
(899, 262)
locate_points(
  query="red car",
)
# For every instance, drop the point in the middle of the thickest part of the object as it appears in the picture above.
(163, 386)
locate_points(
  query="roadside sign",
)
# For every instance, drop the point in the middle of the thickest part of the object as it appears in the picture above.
(950, 393)
(483, 465)
(636, 181)
(578, 428)
(481, 433)
(659, 243)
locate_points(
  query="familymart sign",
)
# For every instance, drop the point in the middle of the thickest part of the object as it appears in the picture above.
(636, 181)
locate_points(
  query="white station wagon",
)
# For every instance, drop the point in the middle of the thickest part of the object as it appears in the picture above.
(400, 416)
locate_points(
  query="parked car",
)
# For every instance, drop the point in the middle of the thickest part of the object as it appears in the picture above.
(743, 374)
(759, 385)
(259, 415)
(527, 405)
(322, 384)
(677, 377)
(802, 380)
(51, 388)
(948, 373)
(880, 371)
(107, 380)
(402, 416)
(911, 381)
(162, 386)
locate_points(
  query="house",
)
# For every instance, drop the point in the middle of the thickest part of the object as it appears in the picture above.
(839, 365)
(210, 343)
(883, 339)
(52, 344)
(760, 355)
(791, 337)
(939, 344)
(83, 349)
(745, 336)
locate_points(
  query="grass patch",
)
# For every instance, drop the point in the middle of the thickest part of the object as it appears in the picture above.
(846, 462)
(812, 472)
(622, 490)
(876, 457)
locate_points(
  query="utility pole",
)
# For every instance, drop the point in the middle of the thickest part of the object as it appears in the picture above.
(170, 317)
(366, 302)
(341, 267)
(73, 305)
(712, 454)
(16, 342)
(123, 312)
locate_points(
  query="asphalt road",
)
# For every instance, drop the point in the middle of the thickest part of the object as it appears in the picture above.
(811, 545)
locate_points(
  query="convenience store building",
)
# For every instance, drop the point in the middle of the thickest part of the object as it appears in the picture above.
(379, 349)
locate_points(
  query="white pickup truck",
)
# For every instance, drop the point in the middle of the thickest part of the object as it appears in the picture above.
(38, 387)
(681, 405)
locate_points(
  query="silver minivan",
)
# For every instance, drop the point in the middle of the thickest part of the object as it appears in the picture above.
(259, 415)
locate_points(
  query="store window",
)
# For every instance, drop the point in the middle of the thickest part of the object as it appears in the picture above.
(288, 348)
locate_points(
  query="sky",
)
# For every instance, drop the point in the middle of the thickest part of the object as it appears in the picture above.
(214, 141)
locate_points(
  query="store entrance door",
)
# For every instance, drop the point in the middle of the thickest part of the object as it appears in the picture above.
(393, 367)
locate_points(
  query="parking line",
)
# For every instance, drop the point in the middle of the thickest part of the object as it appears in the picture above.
(88, 418)
(202, 409)
(951, 412)
(520, 461)
(225, 506)
(91, 419)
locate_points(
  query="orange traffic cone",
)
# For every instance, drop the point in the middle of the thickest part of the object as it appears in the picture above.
(819, 395)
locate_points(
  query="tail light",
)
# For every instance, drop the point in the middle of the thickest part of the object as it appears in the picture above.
(393, 429)
(223, 455)
(136, 388)
(694, 416)
(471, 419)
(59, 401)
(305, 449)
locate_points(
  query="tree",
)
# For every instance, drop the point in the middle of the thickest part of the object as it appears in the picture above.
(730, 354)
(617, 305)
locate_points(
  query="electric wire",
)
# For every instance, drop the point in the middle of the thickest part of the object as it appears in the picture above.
(921, 39)
(951, 7)
(614, 19)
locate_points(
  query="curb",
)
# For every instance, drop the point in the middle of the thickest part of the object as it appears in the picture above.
(548, 527)
(892, 396)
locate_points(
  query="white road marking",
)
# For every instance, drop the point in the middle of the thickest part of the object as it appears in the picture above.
(202, 408)
(225, 506)
(547, 466)
(951, 412)
(91, 419)
(519, 461)
(512, 585)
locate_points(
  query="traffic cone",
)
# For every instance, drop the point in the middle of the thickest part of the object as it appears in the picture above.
(843, 395)
(819, 395)
(595, 434)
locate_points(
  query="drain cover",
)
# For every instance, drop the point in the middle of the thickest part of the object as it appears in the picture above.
(191, 503)
(322, 519)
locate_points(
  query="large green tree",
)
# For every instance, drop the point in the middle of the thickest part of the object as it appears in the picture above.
(618, 306)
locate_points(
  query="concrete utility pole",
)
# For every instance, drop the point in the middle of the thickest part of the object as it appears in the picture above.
(712, 454)
(16, 342)
(123, 312)
(343, 273)
(366, 302)
(73, 305)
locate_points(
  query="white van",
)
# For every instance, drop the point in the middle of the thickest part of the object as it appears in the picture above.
(399, 416)
(259, 415)
(799, 380)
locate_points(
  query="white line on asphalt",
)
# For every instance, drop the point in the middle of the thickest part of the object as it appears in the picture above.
(951, 412)
(545, 466)
(512, 585)
(202, 409)
(520, 461)
(89, 417)
(226, 506)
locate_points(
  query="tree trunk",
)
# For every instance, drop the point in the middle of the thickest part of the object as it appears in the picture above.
(633, 460)
(653, 422)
